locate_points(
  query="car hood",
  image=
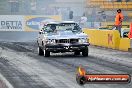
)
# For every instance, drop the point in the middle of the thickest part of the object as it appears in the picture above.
(66, 35)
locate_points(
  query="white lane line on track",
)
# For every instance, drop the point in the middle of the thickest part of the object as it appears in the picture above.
(3, 79)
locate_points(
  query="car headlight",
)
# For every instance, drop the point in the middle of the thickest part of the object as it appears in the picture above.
(83, 40)
(51, 41)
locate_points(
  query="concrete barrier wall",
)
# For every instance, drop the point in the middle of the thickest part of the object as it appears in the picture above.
(107, 38)
(125, 44)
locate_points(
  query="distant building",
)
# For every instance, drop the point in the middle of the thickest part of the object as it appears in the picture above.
(24, 7)
(14, 7)
(3, 6)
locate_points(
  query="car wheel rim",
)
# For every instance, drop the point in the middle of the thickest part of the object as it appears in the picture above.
(44, 52)
(38, 49)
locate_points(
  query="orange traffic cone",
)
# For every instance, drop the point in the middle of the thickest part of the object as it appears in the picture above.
(130, 32)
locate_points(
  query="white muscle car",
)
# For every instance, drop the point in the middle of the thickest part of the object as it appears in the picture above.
(62, 37)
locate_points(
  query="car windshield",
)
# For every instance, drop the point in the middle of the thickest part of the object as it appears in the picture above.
(74, 27)
(51, 27)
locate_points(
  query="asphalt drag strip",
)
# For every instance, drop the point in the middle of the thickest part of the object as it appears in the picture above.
(23, 68)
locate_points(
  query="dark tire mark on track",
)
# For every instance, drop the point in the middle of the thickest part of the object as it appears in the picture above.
(15, 47)
(55, 60)
(14, 75)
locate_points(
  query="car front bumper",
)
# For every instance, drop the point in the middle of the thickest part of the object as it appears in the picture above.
(66, 47)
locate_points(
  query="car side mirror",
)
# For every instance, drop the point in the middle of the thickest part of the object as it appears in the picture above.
(40, 32)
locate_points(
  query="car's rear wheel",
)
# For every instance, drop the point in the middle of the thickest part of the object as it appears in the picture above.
(85, 52)
(76, 53)
(46, 53)
(40, 51)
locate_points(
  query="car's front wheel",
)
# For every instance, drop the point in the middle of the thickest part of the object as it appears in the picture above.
(40, 51)
(85, 52)
(46, 53)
